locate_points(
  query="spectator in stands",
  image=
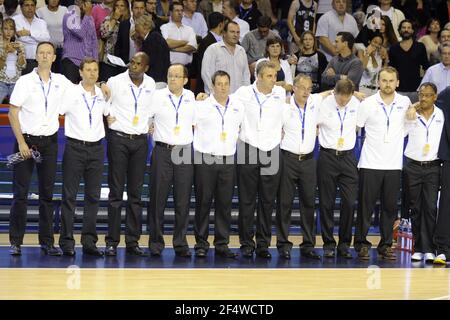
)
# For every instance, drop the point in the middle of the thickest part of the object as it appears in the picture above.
(265, 7)
(229, 11)
(274, 54)
(100, 12)
(12, 59)
(206, 7)
(194, 19)
(226, 55)
(431, 39)
(343, 66)
(163, 10)
(80, 39)
(84, 107)
(154, 45)
(443, 12)
(216, 23)
(254, 42)
(444, 36)
(373, 58)
(126, 45)
(407, 57)
(12, 8)
(301, 18)
(109, 30)
(387, 31)
(395, 15)
(53, 14)
(150, 7)
(439, 74)
(248, 11)
(180, 38)
(30, 31)
(332, 22)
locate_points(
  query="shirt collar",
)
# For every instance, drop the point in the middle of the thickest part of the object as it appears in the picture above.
(381, 102)
(36, 76)
(260, 93)
(216, 36)
(98, 92)
(143, 84)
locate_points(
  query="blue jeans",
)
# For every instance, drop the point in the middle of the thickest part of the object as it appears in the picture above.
(5, 90)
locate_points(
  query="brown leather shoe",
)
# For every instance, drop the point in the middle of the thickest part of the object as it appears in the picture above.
(363, 254)
(388, 254)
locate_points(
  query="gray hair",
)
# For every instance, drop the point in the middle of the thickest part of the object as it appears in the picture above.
(145, 21)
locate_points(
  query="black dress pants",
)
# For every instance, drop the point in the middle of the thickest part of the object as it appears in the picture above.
(46, 170)
(81, 161)
(127, 163)
(442, 235)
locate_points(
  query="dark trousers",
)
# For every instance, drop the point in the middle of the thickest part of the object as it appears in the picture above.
(303, 175)
(127, 163)
(213, 181)
(71, 70)
(31, 64)
(374, 184)
(442, 235)
(46, 170)
(337, 171)
(422, 187)
(57, 66)
(257, 179)
(165, 174)
(87, 162)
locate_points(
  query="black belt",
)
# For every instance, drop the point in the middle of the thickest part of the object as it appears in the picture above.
(171, 146)
(85, 143)
(337, 152)
(129, 136)
(432, 163)
(39, 137)
(299, 157)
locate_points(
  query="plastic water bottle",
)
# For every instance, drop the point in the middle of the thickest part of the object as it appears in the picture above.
(409, 236)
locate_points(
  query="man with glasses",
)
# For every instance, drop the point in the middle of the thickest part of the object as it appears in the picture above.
(439, 74)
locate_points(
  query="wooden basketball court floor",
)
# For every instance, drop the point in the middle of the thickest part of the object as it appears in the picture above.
(36, 276)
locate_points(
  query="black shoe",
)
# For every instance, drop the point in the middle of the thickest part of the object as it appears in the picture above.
(328, 253)
(136, 251)
(311, 255)
(15, 250)
(264, 253)
(155, 253)
(93, 251)
(388, 254)
(184, 253)
(110, 251)
(225, 253)
(247, 252)
(345, 254)
(68, 252)
(200, 253)
(363, 254)
(51, 250)
(285, 254)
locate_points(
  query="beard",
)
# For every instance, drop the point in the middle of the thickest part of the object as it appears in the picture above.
(406, 35)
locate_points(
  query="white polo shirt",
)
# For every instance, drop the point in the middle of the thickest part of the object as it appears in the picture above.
(332, 119)
(263, 117)
(129, 104)
(417, 132)
(209, 134)
(383, 148)
(186, 33)
(84, 114)
(30, 95)
(296, 120)
(38, 33)
(164, 112)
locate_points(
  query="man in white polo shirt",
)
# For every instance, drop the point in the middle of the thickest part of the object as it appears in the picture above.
(259, 158)
(84, 109)
(421, 172)
(383, 117)
(33, 115)
(298, 167)
(172, 110)
(217, 124)
(336, 166)
(132, 92)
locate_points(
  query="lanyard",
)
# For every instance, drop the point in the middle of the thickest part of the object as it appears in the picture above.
(388, 116)
(222, 115)
(302, 117)
(341, 119)
(427, 127)
(244, 15)
(48, 91)
(176, 107)
(90, 109)
(135, 98)
(260, 104)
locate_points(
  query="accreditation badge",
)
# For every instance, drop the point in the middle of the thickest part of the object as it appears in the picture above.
(176, 130)
(223, 136)
(135, 121)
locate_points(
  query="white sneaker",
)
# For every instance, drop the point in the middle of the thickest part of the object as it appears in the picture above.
(429, 257)
(440, 259)
(417, 256)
